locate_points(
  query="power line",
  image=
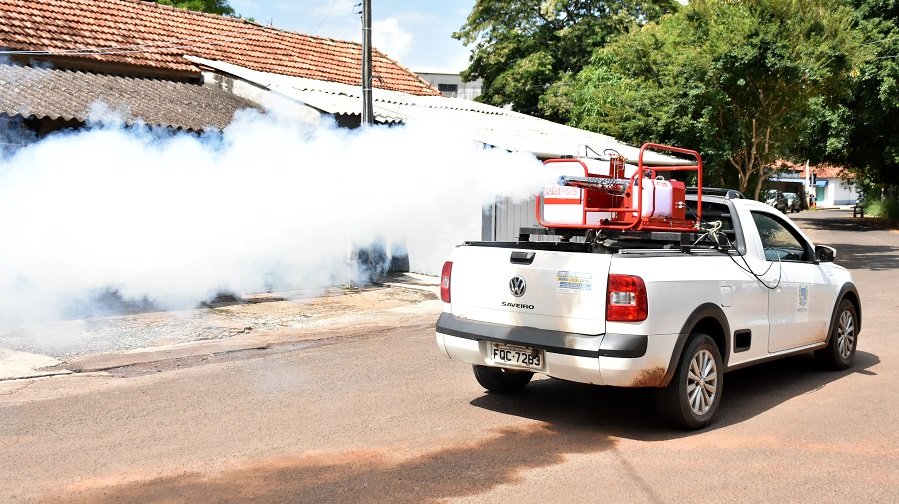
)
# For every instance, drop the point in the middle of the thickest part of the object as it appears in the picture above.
(331, 10)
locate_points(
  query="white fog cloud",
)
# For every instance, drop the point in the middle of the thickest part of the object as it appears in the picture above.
(270, 202)
(390, 38)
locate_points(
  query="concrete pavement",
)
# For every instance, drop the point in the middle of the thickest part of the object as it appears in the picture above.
(242, 330)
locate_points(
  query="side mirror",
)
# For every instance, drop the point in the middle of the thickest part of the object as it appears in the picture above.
(824, 253)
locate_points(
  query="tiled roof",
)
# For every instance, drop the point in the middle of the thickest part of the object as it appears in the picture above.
(63, 94)
(145, 34)
(822, 171)
(827, 171)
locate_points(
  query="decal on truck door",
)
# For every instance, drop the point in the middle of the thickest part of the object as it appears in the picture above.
(802, 304)
(574, 282)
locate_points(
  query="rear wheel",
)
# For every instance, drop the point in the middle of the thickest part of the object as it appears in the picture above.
(501, 380)
(840, 352)
(691, 399)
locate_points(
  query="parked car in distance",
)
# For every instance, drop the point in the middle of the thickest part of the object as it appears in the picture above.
(776, 199)
(794, 204)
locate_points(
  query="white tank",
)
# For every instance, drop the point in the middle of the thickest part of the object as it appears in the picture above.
(664, 198)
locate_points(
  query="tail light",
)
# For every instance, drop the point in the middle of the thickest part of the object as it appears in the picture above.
(626, 299)
(445, 277)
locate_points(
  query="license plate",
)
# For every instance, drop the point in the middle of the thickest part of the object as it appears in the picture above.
(519, 356)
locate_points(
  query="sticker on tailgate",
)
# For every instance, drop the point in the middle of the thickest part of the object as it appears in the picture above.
(574, 281)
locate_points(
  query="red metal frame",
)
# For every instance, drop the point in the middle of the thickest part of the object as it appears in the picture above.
(632, 218)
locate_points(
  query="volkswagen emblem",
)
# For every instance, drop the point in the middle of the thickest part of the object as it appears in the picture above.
(517, 286)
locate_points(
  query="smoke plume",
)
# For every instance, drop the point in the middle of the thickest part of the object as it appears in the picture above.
(170, 219)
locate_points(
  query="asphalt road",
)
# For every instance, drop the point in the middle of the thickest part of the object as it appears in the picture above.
(382, 417)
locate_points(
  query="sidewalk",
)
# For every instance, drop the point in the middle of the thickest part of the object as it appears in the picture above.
(833, 207)
(253, 323)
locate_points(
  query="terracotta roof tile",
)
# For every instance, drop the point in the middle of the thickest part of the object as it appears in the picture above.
(145, 34)
(824, 170)
(830, 171)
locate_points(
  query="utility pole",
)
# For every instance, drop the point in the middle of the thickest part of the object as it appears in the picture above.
(368, 113)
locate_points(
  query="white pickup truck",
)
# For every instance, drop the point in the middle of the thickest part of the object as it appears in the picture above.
(673, 311)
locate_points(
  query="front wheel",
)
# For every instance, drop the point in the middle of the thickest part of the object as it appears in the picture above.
(501, 380)
(691, 399)
(840, 351)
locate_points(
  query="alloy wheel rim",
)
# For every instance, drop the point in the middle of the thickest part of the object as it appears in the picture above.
(846, 335)
(702, 382)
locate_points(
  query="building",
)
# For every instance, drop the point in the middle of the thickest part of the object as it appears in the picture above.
(451, 85)
(831, 185)
(187, 70)
(58, 58)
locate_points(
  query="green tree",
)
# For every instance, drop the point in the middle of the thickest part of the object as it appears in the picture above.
(212, 6)
(861, 129)
(522, 47)
(734, 79)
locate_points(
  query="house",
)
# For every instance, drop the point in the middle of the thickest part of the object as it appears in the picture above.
(146, 41)
(61, 57)
(182, 69)
(831, 185)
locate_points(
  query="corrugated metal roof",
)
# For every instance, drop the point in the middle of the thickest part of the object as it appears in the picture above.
(69, 95)
(487, 124)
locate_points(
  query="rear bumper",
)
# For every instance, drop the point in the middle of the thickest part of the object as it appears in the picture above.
(623, 360)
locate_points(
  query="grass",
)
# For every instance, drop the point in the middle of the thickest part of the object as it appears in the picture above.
(887, 208)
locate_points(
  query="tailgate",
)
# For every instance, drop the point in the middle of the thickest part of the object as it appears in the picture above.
(561, 291)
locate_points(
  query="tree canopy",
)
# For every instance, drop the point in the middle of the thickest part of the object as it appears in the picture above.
(212, 6)
(735, 79)
(860, 129)
(522, 47)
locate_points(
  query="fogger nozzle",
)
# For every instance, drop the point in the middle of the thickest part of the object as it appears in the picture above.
(617, 187)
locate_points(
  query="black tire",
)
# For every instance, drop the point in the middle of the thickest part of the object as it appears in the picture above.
(501, 380)
(693, 408)
(840, 350)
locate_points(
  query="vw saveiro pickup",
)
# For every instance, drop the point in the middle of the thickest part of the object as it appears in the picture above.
(671, 296)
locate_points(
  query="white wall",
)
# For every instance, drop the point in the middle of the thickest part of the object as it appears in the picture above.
(839, 192)
(466, 90)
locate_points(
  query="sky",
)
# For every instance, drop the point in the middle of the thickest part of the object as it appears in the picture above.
(415, 33)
